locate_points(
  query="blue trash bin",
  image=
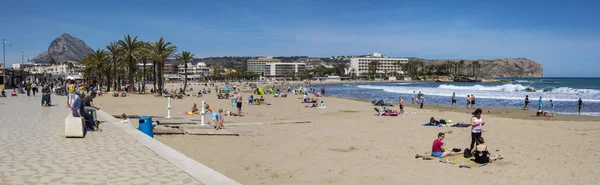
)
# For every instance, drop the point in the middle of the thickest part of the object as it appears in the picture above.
(146, 125)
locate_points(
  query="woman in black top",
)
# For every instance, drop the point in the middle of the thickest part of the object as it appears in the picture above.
(481, 153)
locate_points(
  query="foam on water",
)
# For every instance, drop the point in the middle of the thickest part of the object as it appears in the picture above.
(505, 92)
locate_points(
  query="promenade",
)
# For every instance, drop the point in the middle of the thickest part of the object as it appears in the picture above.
(35, 151)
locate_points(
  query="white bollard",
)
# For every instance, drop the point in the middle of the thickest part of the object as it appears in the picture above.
(169, 107)
(202, 117)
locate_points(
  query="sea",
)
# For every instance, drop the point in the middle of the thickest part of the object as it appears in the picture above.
(564, 92)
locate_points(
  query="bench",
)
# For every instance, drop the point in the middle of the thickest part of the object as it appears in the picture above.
(74, 126)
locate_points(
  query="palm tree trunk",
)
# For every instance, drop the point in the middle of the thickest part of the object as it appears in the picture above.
(144, 77)
(160, 77)
(185, 78)
(131, 75)
(154, 74)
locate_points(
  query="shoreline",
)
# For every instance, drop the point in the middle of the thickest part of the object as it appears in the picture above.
(505, 112)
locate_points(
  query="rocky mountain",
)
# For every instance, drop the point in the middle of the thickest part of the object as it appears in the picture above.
(497, 68)
(64, 48)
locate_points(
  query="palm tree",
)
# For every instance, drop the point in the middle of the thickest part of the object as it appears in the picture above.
(131, 50)
(159, 51)
(185, 57)
(114, 52)
(95, 64)
(144, 55)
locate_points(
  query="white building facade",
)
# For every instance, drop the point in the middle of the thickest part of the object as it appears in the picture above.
(282, 69)
(194, 71)
(258, 65)
(360, 65)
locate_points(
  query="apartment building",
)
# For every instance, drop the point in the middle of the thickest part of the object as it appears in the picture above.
(360, 65)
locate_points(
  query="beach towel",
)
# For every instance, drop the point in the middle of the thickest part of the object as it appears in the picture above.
(460, 125)
(186, 113)
(471, 164)
(433, 125)
(456, 159)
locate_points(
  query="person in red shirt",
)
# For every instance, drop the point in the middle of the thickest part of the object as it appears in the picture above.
(439, 149)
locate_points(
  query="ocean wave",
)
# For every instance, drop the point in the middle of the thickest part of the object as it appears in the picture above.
(571, 90)
(517, 92)
(520, 88)
(403, 83)
(503, 88)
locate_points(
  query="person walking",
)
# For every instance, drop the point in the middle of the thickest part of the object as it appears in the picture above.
(422, 100)
(28, 87)
(468, 103)
(579, 105)
(413, 98)
(401, 106)
(473, 101)
(552, 108)
(526, 102)
(454, 99)
(476, 127)
(34, 88)
(239, 103)
(540, 103)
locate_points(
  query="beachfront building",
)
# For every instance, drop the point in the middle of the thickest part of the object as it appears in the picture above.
(194, 71)
(258, 65)
(360, 65)
(281, 69)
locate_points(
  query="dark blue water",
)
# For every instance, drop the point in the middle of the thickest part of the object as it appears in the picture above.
(563, 91)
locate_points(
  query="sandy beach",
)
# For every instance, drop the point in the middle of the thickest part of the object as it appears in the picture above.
(346, 143)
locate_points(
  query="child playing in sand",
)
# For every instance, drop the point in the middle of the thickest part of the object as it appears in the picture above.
(221, 119)
(125, 119)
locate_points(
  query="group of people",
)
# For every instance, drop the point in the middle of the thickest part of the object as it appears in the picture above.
(477, 148)
(420, 99)
(549, 113)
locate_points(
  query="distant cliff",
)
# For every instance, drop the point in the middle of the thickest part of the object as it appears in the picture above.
(64, 48)
(495, 68)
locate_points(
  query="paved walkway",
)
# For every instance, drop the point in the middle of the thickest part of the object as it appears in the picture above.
(35, 151)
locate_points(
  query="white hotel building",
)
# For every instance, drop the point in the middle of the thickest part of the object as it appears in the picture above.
(194, 71)
(281, 69)
(360, 65)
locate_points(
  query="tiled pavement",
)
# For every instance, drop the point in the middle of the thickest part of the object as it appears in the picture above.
(33, 150)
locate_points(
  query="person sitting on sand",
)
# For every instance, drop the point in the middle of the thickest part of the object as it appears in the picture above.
(438, 149)
(481, 153)
(123, 93)
(3, 93)
(195, 109)
(199, 94)
(14, 93)
(251, 99)
(125, 119)
(322, 105)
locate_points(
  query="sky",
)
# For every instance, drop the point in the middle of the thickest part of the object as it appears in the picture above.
(564, 36)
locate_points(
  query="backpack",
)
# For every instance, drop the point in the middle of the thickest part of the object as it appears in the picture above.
(467, 153)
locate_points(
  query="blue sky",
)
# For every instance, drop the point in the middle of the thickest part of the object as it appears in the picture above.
(562, 35)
